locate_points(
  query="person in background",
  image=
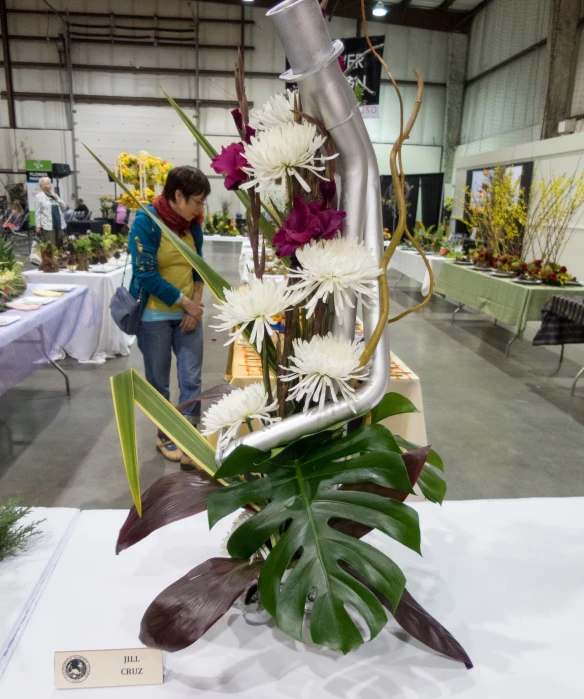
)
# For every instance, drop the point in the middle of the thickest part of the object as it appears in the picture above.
(170, 291)
(120, 218)
(48, 213)
(81, 208)
(14, 220)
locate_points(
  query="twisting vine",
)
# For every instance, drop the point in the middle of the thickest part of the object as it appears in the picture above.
(398, 177)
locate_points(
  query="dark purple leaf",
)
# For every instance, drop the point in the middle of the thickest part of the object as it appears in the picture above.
(414, 619)
(414, 461)
(183, 612)
(171, 498)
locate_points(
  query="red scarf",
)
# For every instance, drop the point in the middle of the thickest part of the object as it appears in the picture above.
(174, 221)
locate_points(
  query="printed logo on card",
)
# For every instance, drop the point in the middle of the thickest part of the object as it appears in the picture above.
(76, 669)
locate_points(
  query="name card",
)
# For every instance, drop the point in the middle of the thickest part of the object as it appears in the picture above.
(108, 668)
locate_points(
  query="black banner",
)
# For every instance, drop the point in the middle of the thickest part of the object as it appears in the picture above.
(363, 71)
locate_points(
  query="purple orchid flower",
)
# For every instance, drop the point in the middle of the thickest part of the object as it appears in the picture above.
(304, 223)
(229, 162)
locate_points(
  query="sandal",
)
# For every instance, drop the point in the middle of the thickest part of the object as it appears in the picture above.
(168, 449)
(187, 464)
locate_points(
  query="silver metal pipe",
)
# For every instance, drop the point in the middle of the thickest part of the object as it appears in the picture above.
(327, 96)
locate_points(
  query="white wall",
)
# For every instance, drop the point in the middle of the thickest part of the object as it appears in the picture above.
(109, 129)
(556, 155)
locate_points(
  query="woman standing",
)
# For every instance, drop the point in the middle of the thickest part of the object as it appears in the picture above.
(171, 291)
(48, 213)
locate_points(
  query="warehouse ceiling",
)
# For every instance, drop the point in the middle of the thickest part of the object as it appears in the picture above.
(440, 15)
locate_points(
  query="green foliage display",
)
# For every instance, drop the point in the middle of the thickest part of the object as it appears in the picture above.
(14, 536)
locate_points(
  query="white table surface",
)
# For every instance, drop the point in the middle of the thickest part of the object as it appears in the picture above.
(412, 265)
(103, 341)
(24, 576)
(505, 577)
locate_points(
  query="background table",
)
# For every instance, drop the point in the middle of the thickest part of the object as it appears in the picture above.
(105, 340)
(244, 368)
(24, 576)
(503, 299)
(37, 336)
(410, 264)
(505, 577)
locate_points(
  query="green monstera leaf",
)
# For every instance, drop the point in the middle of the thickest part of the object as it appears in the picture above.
(300, 486)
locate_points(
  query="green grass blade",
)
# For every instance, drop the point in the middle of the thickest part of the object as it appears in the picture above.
(173, 424)
(123, 395)
(265, 226)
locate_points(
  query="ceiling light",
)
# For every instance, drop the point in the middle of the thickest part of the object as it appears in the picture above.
(247, 0)
(380, 10)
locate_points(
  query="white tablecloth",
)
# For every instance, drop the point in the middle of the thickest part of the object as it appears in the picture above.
(23, 577)
(106, 340)
(412, 265)
(505, 578)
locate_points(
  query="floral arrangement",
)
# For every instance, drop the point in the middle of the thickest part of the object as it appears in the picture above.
(106, 202)
(12, 281)
(129, 167)
(129, 200)
(297, 548)
(554, 205)
(220, 224)
(550, 273)
(497, 212)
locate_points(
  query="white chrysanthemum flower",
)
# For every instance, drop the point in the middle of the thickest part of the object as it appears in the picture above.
(282, 151)
(255, 304)
(277, 110)
(324, 365)
(235, 408)
(339, 267)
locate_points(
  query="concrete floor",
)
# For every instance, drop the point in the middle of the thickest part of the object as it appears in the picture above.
(505, 428)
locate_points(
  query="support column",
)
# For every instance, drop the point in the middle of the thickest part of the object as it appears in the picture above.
(457, 54)
(7, 65)
(562, 55)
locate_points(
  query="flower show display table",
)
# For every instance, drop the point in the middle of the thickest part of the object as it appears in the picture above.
(503, 299)
(505, 578)
(244, 368)
(410, 264)
(24, 576)
(36, 336)
(105, 340)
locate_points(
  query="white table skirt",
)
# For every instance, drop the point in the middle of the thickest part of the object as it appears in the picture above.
(412, 265)
(24, 576)
(103, 341)
(504, 577)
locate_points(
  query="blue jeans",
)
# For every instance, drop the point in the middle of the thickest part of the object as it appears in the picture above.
(157, 340)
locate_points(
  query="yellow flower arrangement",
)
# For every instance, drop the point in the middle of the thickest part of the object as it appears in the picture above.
(554, 203)
(497, 212)
(156, 169)
(129, 203)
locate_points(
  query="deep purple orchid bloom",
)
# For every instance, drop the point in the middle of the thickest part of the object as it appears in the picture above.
(304, 223)
(245, 132)
(229, 162)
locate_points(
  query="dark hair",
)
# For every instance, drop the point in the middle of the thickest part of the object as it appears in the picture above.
(189, 180)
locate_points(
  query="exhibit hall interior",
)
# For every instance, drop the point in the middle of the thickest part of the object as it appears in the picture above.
(292, 348)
